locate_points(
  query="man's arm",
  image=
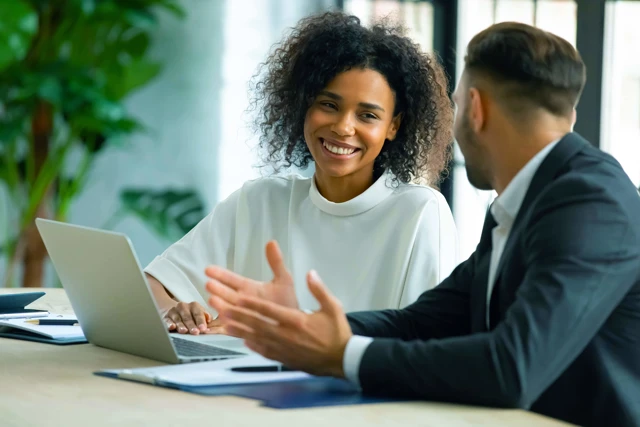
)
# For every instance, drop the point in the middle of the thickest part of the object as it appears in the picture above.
(434, 256)
(582, 258)
(439, 312)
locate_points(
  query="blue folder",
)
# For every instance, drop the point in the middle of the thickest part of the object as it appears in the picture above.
(305, 393)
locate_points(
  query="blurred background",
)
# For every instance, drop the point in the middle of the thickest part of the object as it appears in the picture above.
(129, 115)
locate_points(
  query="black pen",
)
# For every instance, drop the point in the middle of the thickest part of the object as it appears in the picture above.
(52, 322)
(269, 368)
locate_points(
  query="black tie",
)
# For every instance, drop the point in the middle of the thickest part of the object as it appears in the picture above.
(485, 238)
(486, 246)
(494, 312)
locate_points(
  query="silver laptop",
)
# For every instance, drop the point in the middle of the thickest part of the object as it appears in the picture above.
(111, 297)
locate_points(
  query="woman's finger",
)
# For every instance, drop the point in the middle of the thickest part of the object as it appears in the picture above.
(185, 313)
(198, 314)
(171, 325)
(174, 317)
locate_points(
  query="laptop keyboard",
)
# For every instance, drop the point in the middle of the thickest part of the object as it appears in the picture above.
(189, 348)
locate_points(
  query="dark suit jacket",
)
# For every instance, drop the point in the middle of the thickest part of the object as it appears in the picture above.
(565, 333)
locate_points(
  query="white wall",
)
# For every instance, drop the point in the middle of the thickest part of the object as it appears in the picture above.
(249, 33)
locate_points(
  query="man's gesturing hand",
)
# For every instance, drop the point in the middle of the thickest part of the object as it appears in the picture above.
(279, 290)
(314, 343)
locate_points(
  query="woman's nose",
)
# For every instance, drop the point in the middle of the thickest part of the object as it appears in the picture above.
(343, 126)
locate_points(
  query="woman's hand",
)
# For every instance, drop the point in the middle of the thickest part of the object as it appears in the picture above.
(182, 317)
(189, 318)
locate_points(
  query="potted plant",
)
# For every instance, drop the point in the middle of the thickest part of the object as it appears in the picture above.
(65, 68)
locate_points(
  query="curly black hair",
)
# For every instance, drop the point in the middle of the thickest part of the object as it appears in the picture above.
(318, 49)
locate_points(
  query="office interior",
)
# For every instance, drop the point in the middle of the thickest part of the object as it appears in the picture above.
(194, 145)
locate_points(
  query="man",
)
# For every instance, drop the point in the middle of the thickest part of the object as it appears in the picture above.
(545, 315)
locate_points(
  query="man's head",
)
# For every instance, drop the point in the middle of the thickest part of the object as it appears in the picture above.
(517, 80)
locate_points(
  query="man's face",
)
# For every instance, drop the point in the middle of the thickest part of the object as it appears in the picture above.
(468, 140)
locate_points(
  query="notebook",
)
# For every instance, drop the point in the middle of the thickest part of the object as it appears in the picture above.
(213, 373)
(21, 329)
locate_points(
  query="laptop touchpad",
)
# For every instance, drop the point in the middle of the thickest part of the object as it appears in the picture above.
(217, 340)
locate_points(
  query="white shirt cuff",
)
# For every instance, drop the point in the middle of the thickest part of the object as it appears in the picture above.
(353, 356)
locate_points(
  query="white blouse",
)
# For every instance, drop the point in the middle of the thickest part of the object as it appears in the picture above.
(379, 250)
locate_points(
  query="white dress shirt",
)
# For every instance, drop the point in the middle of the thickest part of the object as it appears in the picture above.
(504, 210)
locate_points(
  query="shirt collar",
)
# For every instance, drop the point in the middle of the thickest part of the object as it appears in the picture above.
(506, 206)
(372, 196)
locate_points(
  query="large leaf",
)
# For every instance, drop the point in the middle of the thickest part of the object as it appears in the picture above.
(141, 19)
(18, 25)
(130, 77)
(145, 6)
(4, 246)
(137, 45)
(89, 125)
(13, 169)
(174, 7)
(13, 122)
(170, 213)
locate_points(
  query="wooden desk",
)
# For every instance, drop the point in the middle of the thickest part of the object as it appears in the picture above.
(44, 384)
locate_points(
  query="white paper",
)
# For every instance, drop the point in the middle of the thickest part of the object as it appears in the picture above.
(27, 315)
(50, 331)
(216, 372)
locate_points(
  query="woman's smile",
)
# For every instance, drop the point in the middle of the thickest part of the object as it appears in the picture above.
(338, 150)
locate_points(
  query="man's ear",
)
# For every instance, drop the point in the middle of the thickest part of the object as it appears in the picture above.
(393, 128)
(477, 111)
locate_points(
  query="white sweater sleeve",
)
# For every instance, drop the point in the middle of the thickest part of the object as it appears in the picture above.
(181, 267)
(435, 251)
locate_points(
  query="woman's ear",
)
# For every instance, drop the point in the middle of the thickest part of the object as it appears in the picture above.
(393, 127)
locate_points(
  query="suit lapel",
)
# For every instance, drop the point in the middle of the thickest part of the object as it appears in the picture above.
(568, 147)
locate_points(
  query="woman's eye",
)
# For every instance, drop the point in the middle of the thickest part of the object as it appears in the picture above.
(369, 116)
(328, 105)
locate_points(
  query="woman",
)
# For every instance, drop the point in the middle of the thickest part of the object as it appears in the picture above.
(371, 112)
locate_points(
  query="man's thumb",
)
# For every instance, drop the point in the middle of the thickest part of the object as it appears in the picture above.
(327, 301)
(276, 262)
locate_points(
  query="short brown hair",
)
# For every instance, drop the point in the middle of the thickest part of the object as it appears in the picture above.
(529, 67)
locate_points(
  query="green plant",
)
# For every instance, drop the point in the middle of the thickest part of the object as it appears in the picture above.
(169, 213)
(65, 68)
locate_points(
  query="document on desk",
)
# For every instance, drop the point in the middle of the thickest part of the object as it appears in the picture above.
(201, 374)
(275, 389)
(54, 334)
